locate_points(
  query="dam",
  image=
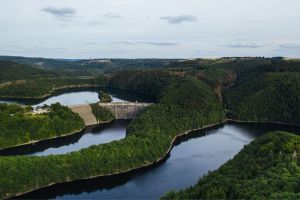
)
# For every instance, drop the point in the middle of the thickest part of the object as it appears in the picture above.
(121, 110)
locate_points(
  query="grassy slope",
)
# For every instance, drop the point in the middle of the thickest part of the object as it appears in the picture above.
(268, 168)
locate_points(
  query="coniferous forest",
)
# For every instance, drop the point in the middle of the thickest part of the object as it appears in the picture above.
(136, 99)
(187, 95)
(18, 124)
(268, 168)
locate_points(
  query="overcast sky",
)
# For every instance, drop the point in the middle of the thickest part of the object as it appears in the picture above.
(149, 28)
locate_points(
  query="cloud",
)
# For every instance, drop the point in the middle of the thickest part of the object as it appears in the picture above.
(94, 23)
(179, 19)
(289, 46)
(91, 42)
(112, 16)
(155, 43)
(63, 13)
(245, 45)
(160, 43)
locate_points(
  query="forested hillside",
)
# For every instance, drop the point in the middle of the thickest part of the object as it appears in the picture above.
(223, 71)
(148, 138)
(18, 125)
(38, 62)
(269, 97)
(232, 71)
(22, 81)
(151, 83)
(10, 71)
(254, 89)
(90, 66)
(268, 168)
(188, 94)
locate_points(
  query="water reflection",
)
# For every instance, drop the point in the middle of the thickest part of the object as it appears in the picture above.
(192, 157)
(101, 134)
(72, 98)
(82, 96)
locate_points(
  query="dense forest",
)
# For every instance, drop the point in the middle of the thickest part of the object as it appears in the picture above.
(90, 66)
(104, 97)
(188, 94)
(269, 97)
(21, 81)
(268, 168)
(252, 89)
(150, 83)
(19, 125)
(148, 139)
(11, 71)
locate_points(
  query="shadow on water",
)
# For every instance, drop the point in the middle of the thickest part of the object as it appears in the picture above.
(129, 95)
(56, 93)
(258, 129)
(118, 93)
(88, 185)
(110, 129)
(106, 182)
(252, 130)
(42, 145)
(110, 183)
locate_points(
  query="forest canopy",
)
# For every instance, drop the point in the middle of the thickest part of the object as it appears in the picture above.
(18, 125)
(188, 94)
(148, 138)
(268, 168)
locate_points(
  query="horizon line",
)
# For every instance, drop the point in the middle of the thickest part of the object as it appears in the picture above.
(157, 58)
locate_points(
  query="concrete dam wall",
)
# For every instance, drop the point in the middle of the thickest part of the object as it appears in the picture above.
(122, 110)
(125, 110)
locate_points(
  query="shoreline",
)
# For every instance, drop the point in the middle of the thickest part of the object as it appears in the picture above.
(107, 122)
(50, 93)
(36, 142)
(157, 161)
(261, 122)
(172, 144)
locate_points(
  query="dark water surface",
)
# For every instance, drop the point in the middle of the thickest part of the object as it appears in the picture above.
(77, 96)
(192, 157)
(100, 134)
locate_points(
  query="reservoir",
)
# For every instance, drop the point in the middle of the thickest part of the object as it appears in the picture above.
(100, 134)
(77, 96)
(96, 135)
(192, 157)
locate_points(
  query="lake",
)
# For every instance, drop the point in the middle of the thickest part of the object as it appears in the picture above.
(192, 157)
(99, 134)
(77, 96)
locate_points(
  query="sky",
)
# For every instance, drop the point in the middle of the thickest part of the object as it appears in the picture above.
(149, 28)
